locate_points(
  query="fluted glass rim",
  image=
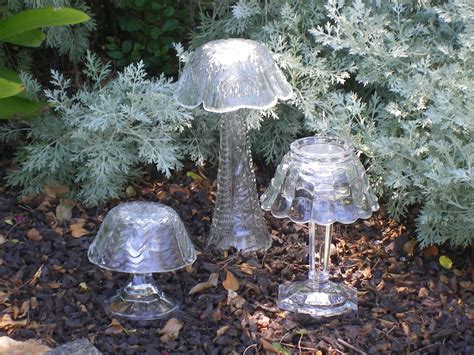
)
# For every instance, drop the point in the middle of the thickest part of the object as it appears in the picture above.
(264, 69)
(297, 165)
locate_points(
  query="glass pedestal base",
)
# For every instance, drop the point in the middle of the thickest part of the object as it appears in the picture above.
(141, 299)
(325, 299)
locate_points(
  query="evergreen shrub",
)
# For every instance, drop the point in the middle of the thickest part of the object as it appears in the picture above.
(101, 133)
(394, 77)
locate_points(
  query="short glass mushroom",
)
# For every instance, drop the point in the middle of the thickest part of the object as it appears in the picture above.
(320, 181)
(227, 77)
(141, 238)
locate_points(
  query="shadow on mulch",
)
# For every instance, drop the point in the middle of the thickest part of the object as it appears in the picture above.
(407, 303)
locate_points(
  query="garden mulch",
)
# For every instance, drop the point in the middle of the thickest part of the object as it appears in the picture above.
(407, 301)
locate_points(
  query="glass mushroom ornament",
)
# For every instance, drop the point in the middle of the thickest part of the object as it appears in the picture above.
(319, 181)
(141, 238)
(229, 77)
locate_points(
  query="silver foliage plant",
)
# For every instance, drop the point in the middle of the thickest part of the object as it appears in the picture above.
(394, 77)
(101, 133)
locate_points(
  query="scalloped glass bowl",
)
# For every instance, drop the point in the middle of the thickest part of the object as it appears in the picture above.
(229, 74)
(321, 180)
(141, 238)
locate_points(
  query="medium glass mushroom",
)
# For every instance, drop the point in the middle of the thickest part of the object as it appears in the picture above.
(141, 238)
(319, 181)
(229, 77)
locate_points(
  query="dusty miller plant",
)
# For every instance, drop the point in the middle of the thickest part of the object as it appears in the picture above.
(394, 77)
(101, 134)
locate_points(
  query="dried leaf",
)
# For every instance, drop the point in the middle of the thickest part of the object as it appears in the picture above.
(211, 282)
(230, 282)
(409, 247)
(221, 331)
(13, 347)
(55, 191)
(130, 191)
(445, 262)
(34, 234)
(246, 268)
(268, 347)
(64, 209)
(83, 286)
(3, 240)
(78, 230)
(170, 331)
(431, 251)
(114, 327)
(234, 300)
(24, 309)
(367, 328)
(7, 323)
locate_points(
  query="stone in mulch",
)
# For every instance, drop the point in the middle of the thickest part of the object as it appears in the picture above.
(77, 347)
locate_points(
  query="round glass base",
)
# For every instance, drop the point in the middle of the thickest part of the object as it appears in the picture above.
(141, 299)
(324, 299)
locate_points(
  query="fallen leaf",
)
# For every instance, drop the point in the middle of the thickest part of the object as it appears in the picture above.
(24, 309)
(33, 302)
(64, 209)
(234, 300)
(130, 191)
(78, 230)
(230, 282)
(211, 282)
(445, 262)
(431, 251)
(34, 234)
(367, 328)
(3, 297)
(170, 331)
(83, 286)
(7, 323)
(409, 247)
(221, 331)
(55, 191)
(2, 239)
(13, 347)
(114, 327)
(246, 268)
(268, 347)
(53, 285)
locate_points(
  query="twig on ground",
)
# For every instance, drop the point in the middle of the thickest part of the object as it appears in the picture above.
(350, 346)
(250, 347)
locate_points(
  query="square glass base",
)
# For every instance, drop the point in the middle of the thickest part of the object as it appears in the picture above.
(318, 299)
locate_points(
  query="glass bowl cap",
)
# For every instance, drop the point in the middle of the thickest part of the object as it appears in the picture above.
(142, 237)
(321, 180)
(230, 74)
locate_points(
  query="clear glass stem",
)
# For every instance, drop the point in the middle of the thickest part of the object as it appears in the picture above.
(237, 220)
(319, 274)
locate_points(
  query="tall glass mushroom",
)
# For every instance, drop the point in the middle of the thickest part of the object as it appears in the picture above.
(227, 77)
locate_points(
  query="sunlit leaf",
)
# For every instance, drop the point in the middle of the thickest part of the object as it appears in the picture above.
(445, 262)
(9, 88)
(37, 18)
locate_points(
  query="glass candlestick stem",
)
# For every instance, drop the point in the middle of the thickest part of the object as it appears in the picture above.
(237, 220)
(141, 299)
(318, 296)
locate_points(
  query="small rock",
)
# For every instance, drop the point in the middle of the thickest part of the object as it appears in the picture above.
(77, 347)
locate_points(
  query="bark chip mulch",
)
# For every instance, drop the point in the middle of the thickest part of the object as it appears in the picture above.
(407, 301)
